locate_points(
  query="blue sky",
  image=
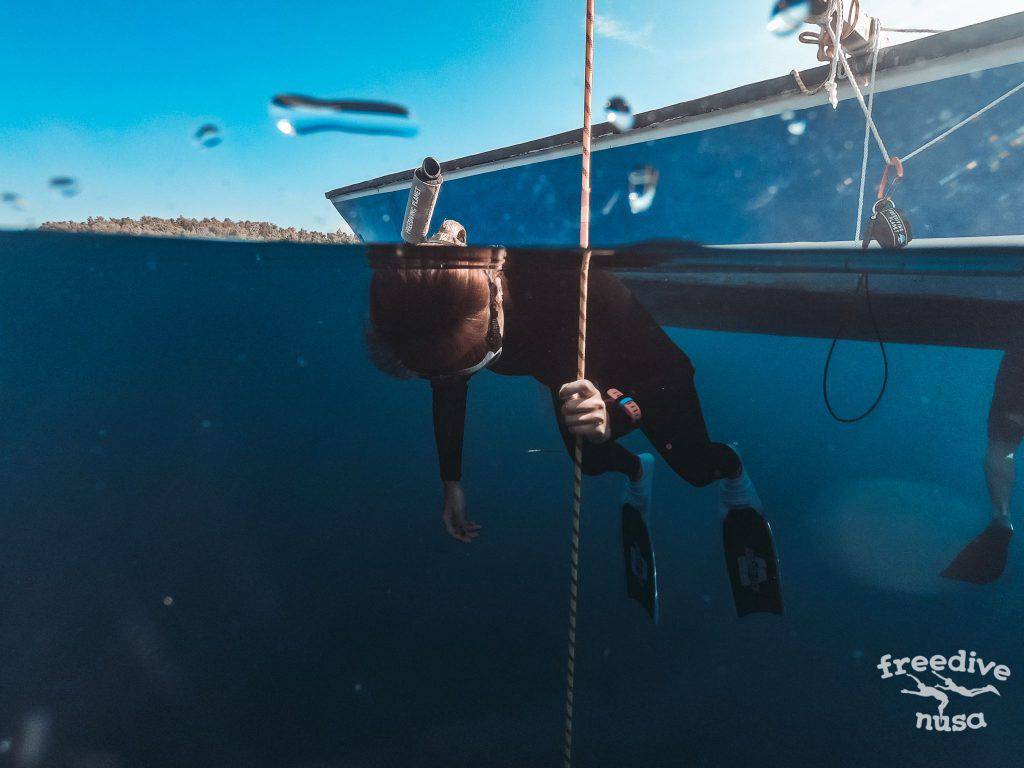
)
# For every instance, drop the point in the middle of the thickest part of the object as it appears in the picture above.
(111, 92)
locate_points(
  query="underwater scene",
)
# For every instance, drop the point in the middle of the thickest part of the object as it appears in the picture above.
(512, 385)
(224, 543)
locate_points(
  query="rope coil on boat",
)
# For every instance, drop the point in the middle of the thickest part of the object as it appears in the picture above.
(830, 45)
(827, 48)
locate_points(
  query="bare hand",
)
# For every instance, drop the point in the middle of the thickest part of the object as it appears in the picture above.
(454, 514)
(584, 411)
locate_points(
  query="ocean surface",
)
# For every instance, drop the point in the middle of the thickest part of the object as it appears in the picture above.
(221, 541)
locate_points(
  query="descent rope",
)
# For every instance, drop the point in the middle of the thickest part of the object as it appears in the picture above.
(581, 365)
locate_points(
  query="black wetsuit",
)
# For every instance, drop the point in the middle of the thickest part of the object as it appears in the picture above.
(626, 351)
(1006, 415)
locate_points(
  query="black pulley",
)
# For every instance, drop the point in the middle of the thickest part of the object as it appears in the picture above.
(888, 226)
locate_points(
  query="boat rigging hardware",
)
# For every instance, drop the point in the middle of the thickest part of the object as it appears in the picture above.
(888, 226)
(858, 31)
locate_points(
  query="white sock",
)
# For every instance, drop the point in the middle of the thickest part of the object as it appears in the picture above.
(638, 492)
(736, 492)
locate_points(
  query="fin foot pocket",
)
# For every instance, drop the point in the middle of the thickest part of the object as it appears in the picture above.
(751, 561)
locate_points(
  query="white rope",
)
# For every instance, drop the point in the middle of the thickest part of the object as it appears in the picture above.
(868, 112)
(830, 84)
(915, 31)
(870, 127)
(852, 77)
(867, 138)
(963, 122)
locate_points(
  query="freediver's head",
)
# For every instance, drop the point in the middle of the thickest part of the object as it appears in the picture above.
(435, 323)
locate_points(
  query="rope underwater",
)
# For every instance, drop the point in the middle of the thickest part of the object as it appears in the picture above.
(581, 365)
(863, 280)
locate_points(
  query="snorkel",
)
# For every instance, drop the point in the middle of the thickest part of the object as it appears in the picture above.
(426, 186)
(423, 194)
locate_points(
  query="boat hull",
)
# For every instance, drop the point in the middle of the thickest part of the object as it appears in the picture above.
(759, 164)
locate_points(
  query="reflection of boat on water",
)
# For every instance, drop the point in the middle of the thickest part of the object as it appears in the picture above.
(762, 163)
(971, 295)
(967, 295)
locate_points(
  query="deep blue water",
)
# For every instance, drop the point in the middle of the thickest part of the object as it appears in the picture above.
(199, 421)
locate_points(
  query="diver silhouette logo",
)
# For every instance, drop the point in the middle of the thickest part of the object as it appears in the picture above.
(638, 563)
(943, 686)
(753, 570)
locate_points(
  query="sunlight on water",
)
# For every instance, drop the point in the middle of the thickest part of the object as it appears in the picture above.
(889, 533)
(295, 115)
(610, 204)
(35, 738)
(794, 126)
(643, 184)
(64, 186)
(619, 114)
(764, 198)
(788, 15)
(208, 136)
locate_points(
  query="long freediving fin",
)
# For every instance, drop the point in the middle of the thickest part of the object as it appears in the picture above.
(751, 561)
(638, 554)
(983, 560)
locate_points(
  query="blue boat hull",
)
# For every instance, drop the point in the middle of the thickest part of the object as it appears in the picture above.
(753, 180)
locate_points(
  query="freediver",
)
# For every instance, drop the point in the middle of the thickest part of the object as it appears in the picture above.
(984, 559)
(520, 319)
(970, 693)
(928, 692)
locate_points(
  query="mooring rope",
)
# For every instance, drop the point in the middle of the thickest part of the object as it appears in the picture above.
(915, 31)
(581, 369)
(945, 134)
(867, 136)
(837, 56)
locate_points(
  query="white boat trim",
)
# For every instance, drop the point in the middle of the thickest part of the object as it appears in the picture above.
(924, 242)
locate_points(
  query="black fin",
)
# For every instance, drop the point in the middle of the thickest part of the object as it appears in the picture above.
(751, 561)
(984, 559)
(638, 554)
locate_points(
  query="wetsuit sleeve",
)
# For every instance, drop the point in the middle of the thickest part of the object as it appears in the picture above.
(450, 425)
